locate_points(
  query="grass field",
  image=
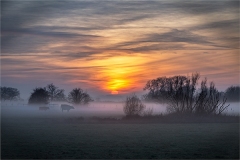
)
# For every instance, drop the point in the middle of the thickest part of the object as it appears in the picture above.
(54, 138)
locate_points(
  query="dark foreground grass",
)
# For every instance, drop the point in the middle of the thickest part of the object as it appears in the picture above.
(30, 138)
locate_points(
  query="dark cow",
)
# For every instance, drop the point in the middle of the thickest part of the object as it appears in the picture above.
(66, 107)
(43, 108)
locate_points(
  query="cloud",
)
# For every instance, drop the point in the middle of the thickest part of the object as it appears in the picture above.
(18, 16)
(30, 26)
(205, 7)
(225, 32)
(176, 35)
(223, 24)
(50, 40)
(53, 34)
(172, 40)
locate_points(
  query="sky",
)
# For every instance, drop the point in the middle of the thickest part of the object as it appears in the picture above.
(112, 48)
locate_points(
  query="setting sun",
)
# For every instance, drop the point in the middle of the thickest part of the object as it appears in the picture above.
(120, 73)
(117, 84)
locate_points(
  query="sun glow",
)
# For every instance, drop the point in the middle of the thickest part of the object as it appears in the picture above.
(118, 74)
(116, 84)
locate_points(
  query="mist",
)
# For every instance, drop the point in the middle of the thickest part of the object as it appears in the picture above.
(28, 132)
(94, 109)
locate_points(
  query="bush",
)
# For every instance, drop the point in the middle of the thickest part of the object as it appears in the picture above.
(133, 106)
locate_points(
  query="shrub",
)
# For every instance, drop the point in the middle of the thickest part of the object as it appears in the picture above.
(133, 106)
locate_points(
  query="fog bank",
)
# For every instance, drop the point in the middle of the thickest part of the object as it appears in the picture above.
(97, 109)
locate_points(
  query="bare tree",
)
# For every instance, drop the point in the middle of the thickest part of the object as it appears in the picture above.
(201, 97)
(133, 106)
(208, 101)
(55, 94)
(78, 96)
(179, 92)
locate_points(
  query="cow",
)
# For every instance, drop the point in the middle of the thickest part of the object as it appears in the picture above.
(43, 108)
(66, 107)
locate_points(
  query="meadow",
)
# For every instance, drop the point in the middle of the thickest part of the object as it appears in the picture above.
(48, 135)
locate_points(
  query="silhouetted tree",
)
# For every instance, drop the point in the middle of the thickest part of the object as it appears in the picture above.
(133, 106)
(233, 93)
(55, 94)
(8, 93)
(209, 100)
(39, 96)
(179, 92)
(78, 96)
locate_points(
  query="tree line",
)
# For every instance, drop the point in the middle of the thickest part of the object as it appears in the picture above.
(182, 96)
(180, 93)
(50, 93)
